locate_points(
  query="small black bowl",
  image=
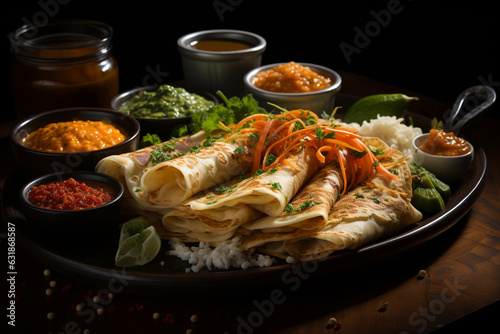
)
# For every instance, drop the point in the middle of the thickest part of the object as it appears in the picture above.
(37, 163)
(162, 127)
(73, 222)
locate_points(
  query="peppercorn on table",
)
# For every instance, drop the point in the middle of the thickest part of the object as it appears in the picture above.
(447, 282)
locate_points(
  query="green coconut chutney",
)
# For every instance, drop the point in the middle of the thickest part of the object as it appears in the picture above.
(165, 102)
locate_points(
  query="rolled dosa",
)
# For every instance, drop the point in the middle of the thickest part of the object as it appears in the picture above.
(268, 192)
(376, 209)
(208, 225)
(214, 214)
(172, 182)
(128, 168)
(308, 211)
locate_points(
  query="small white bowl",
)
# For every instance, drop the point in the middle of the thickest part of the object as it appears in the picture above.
(448, 169)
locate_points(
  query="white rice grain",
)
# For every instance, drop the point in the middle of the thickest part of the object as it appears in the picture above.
(224, 255)
(392, 131)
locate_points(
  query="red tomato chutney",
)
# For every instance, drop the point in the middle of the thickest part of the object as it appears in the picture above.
(447, 144)
(70, 195)
(291, 78)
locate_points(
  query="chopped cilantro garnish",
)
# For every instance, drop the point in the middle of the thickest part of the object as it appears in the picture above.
(276, 186)
(320, 133)
(330, 135)
(270, 159)
(222, 189)
(162, 153)
(257, 173)
(168, 146)
(307, 204)
(289, 209)
(298, 126)
(311, 119)
(358, 154)
(211, 140)
(195, 149)
(239, 150)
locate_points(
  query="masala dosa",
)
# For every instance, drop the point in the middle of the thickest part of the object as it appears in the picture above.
(380, 207)
(308, 211)
(368, 212)
(172, 182)
(128, 168)
(270, 191)
(213, 215)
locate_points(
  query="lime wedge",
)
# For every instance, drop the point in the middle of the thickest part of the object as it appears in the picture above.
(139, 243)
(132, 227)
(369, 107)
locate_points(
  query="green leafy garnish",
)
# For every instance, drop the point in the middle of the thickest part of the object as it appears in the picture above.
(358, 154)
(307, 204)
(270, 159)
(239, 150)
(223, 189)
(231, 111)
(276, 186)
(149, 140)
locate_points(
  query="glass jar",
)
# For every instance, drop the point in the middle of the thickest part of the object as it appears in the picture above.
(62, 64)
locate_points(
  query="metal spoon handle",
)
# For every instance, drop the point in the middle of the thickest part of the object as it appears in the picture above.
(453, 122)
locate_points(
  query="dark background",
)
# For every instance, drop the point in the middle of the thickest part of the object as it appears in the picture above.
(428, 47)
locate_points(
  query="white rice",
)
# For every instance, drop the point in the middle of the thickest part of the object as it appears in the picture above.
(392, 131)
(224, 255)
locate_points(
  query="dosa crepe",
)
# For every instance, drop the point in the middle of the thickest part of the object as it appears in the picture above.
(170, 183)
(378, 208)
(128, 168)
(306, 213)
(214, 214)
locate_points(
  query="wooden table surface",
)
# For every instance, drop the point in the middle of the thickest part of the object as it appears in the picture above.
(461, 288)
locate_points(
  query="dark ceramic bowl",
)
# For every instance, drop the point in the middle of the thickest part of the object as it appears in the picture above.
(163, 127)
(80, 222)
(36, 163)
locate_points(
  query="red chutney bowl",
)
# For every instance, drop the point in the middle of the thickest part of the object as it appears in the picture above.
(82, 221)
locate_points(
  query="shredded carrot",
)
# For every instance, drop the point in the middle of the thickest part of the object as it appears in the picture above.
(288, 163)
(278, 135)
(389, 165)
(260, 145)
(343, 169)
(250, 118)
(224, 126)
(319, 153)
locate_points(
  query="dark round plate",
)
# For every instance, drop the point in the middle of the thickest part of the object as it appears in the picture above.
(92, 260)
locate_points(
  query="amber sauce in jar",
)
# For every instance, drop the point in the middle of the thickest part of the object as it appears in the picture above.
(439, 142)
(62, 65)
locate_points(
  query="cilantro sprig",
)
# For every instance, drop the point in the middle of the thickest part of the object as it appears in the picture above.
(231, 111)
